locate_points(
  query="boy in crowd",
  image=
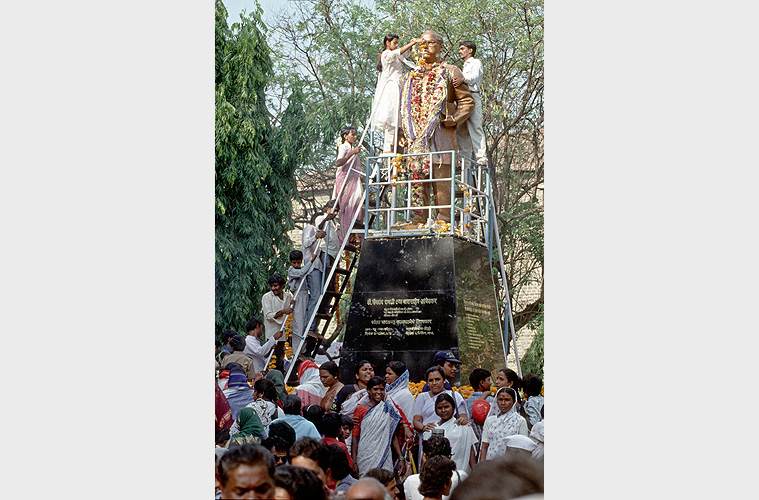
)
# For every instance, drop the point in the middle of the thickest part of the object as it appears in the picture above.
(296, 275)
(481, 380)
(532, 387)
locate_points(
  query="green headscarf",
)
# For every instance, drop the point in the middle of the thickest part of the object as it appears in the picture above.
(278, 378)
(250, 428)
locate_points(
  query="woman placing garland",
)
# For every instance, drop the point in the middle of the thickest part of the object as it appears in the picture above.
(386, 103)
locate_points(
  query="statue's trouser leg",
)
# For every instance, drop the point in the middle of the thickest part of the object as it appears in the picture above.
(442, 190)
(422, 218)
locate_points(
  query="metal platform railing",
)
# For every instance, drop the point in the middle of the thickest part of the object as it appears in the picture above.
(469, 204)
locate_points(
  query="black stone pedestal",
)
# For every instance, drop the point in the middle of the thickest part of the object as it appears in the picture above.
(416, 296)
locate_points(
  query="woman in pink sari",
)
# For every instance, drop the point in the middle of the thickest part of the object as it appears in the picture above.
(350, 200)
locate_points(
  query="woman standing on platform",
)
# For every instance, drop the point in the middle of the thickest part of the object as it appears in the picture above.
(347, 190)
(386, 104)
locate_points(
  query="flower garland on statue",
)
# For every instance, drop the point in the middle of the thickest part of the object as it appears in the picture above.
(422, 104)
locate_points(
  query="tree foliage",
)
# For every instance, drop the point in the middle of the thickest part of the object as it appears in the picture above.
(255, 165)
(532, 361)
(332, 47)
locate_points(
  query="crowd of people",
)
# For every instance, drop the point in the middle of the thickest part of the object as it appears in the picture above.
(417, 447)
(372, 438)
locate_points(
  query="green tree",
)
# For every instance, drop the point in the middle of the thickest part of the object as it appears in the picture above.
(255, 165)
(332, 47)
(532, 361)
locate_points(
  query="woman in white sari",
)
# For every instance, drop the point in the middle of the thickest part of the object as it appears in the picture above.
(424, 405)
(397, 380)
(497, 427)
(374, 438)
(462, 437)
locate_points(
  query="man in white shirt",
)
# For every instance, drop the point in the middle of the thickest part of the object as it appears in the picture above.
(253, 348)
(432, 447)
(324, 223)
(276, 305)
(472, 135)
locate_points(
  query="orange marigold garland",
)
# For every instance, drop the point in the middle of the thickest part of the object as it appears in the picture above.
(287, 330)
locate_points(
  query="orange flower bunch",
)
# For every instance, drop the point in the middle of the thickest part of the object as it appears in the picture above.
(288, 349)
(397, 164)
(419, 61)
(443, 227)
(415, 387)
(464, 390)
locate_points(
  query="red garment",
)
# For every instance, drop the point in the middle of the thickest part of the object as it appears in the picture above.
(358, 416)
(222, 410)
(224, 375)
(330, 440)
(400, 432)
(306, 365)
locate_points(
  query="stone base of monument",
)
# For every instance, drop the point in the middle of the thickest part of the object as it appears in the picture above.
(416, 296)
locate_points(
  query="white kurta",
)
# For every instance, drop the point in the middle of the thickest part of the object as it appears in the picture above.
(471, 136)
(311, 245)
(411, 485)
(387, 93)
(257, 352)
(461, 438)
(329, 227)
(271, 305)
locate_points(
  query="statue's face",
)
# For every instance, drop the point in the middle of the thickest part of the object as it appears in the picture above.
(430, 48)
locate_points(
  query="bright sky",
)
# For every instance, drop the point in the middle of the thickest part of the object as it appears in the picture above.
(270, 7)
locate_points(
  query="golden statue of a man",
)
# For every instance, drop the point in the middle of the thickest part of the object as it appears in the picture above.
(435, 99)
